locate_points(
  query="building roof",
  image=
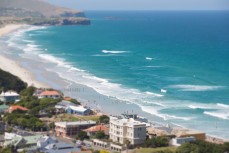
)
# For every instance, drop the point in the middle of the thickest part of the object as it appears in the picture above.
(60, 147)
(97, 128)
(25, 139)
(67, 98)
(9, 93)
(4, 106)
(16, 107)
(78, 108)
(158, 131)
(64, 104)
(180, 132)
(126, 122)
(49, 93)
(77, 123)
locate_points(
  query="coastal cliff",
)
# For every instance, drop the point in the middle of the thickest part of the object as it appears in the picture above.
(38, 12)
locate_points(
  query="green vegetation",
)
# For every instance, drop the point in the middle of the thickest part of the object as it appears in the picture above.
(100, 135)
(6, 150)
(104, 119)
(66, 118)
(36, 105)
(75, 101)
(156, 150)
(11, 82)
(24, 120)
(157, 142)
(30, 119)
(203, 147)
(82, 135)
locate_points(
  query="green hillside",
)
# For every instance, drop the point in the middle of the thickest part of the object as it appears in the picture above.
(11, 82)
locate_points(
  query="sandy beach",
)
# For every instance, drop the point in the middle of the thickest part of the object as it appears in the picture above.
(13, 67)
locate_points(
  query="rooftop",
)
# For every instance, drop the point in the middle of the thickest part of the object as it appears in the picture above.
(9, 93)
(97, 128)
(181, 132)
(78, 108)
(4, 106)
(66, 103)
(65, 124)
(16, 107)
(125, 121)
(49, 93)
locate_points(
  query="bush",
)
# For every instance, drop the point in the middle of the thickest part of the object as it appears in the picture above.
(157, 142)
(100, 135)
(203, 146)
(104, 119)
(82, 135)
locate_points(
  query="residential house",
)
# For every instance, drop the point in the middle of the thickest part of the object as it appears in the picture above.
(68, 129)
(9, 96)
(60, 147)
(123, 130)
(23, 141)
(63, 105)
(155, 131)
(94, 129)
(80, 110)
(3, 108)
(17, 107)
(181, 132)
(45, 140)
(179, 141)
(49, 94)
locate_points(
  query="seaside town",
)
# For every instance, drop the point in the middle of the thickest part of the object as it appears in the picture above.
(44, 120)
(36, 117)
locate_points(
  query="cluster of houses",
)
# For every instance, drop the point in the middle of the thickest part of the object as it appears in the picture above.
(121, 130)
(62, 107)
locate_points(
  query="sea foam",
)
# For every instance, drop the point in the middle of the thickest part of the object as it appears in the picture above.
(188, 87)
(114, 52)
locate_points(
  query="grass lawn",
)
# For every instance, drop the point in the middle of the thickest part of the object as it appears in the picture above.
(93, 118)
(154, 150)
(72, 118)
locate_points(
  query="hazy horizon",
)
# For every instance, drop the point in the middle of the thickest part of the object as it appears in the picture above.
(144, 5)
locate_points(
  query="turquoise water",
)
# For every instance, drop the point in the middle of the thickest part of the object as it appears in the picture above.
(131, 56)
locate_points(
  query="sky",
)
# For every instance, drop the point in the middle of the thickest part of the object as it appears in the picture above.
(144, 4)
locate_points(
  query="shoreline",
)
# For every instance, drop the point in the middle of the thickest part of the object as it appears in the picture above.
(14, 67)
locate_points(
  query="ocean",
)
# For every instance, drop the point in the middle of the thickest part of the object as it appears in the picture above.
(170, 67)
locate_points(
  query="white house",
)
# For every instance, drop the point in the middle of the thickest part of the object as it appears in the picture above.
(9, 96)
(80, 110)
(123, 130)
(179, 141)
(64, 105)
(49, 94)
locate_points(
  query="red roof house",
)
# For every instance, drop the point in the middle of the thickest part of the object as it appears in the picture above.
(17, 107)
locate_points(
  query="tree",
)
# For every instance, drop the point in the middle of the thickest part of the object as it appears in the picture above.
(82, 135)
(100, 135)
(52, 125)
(104, 119)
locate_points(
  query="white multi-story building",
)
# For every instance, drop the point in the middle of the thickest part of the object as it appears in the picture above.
(122, 130)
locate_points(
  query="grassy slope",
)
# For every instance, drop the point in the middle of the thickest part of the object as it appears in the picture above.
(11, 82)
(153, 150)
